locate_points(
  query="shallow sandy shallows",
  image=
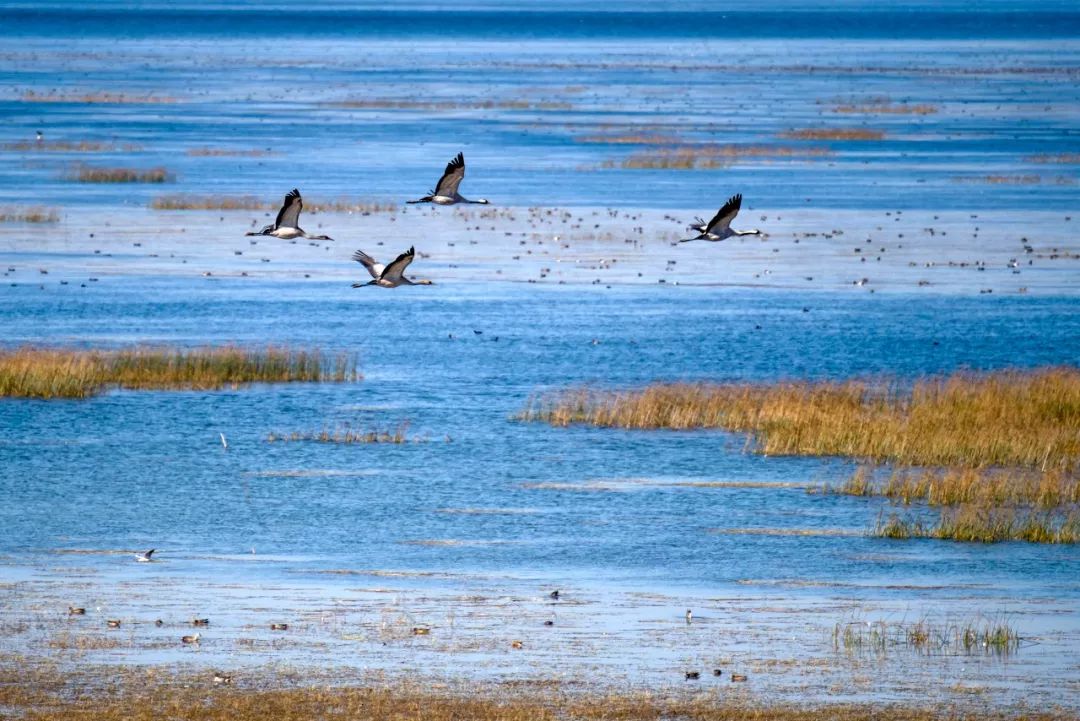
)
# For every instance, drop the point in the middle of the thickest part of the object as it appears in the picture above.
(804, 249)
(794, 644)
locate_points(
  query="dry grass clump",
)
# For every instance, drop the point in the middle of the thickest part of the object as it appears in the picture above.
(101, 97)
(1064, 158)
(1006, 418)
(834, 134)
(346, 435)
(88, 174)
(30, 372)
(628, 139)
(975, 523)
(211, 202)
(984, 505)
(705, 157)
(1000, 179)
(345, 205)
(29, 215)
(70, 146)
(248, 202)
(228, 152)
(953, 486)
(886, 108)
(408, 104)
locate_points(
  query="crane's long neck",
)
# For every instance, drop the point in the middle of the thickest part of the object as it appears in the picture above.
(747, 232)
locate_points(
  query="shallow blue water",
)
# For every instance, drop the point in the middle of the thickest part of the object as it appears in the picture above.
(144, 469)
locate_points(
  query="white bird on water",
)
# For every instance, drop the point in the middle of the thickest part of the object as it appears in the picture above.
(446, 190)
(388, 276)
(145, 557)
(287, 224)
(719, 227)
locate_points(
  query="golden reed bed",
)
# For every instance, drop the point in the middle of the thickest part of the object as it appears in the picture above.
(1006, 418)
(997, 453)
(30, 372)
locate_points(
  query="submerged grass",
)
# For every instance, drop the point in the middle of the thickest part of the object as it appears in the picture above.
(999, 179)
(886, 108)
(69, 146)
(105, 98)
(953, 486)
(411, 104)
(1027, 418)
(206, 152)
(707, 156)
(29, 215)
(1064, 158)
(973, 637)
(975, 523)
(346, 435)
(834, 134)
(89, 174)
(30, 372)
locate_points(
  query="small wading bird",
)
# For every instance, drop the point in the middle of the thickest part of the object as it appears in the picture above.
(388, 276)
(287, 224)
(145, 557)
(191, 639)
(719, 227)
(445, 192)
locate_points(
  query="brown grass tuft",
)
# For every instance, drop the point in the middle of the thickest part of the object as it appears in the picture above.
(30, 372)
(408, 104)
(228, 153)
(212, 202)
(628, 139)
(886, 108)
(69, 146)
(705, 157)
(983, 486)
(248, 202)
(346, 435)
(975, 523)
(834, 134)
(999, 179)
(98, 98)
(1064, 158)
(29, 215)
(89, 174)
